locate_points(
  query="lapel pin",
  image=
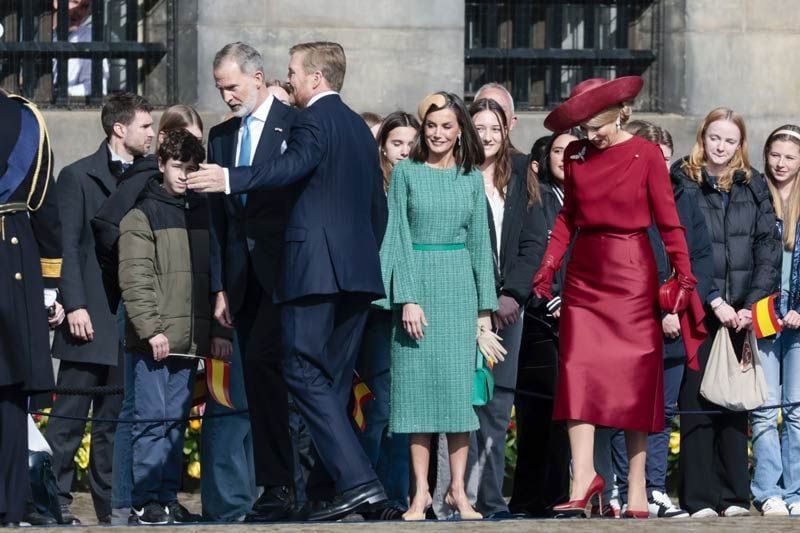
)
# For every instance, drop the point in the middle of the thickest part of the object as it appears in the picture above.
(279, 130)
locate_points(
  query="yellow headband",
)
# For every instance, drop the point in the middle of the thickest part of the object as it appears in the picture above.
(437, 99)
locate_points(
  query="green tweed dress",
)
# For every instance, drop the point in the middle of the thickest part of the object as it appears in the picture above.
(432, 377)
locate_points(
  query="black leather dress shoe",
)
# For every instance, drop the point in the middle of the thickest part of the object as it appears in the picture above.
(362, 498)
(274, 504)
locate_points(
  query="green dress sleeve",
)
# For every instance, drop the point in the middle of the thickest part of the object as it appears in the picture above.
(480, 248)
(396, 266)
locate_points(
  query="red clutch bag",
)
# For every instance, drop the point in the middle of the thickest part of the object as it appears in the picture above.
(670, 296)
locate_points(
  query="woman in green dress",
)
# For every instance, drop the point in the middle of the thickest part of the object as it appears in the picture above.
(437, 269)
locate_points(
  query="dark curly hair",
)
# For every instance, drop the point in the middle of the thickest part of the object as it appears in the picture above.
(181, 145)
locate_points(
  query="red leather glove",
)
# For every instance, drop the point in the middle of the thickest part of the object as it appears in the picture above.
(686, 286)
(543, 280)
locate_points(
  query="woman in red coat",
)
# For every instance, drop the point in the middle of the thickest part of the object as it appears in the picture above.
(611, 364)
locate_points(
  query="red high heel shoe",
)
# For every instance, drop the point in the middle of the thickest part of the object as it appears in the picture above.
(575, 507)
(636, 514)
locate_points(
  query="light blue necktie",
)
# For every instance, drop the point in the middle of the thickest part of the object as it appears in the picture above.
(244, 152)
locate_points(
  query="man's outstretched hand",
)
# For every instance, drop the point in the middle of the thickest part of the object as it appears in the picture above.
(210, 178)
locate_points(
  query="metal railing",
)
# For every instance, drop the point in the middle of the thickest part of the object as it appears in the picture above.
(541, 49)
(46, 54)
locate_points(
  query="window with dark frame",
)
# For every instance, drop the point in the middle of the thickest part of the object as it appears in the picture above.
(60, 56)
(541, 49)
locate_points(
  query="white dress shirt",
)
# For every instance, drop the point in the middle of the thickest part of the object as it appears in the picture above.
(318, 96)
(259, 119)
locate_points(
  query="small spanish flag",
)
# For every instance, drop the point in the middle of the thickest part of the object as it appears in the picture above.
(218, 380)
(765, 317)
(361, 395)
(200, 390)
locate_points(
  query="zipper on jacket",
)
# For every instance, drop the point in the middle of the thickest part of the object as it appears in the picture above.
(727, 250)
(191, 277)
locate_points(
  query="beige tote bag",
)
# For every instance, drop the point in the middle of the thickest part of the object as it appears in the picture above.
(730, 383)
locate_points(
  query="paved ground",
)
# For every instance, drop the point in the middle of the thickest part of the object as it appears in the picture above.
(82, 507)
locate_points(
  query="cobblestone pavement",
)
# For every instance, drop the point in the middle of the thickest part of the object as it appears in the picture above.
(82, 507)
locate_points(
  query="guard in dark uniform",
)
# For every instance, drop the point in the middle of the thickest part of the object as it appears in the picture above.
(30, 262)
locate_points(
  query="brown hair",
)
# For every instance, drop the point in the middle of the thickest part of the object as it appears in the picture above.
(398, 119)
(651, 132)
(325, 57)
(789, 212)
(502, 170)
(121, 107)
(178, 117)
(693, 165)
(468, 152)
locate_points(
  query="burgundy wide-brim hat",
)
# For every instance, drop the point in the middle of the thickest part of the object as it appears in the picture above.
(589, 98)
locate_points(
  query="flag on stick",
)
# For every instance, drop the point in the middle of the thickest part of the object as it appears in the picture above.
(218, 380)
(765, 317)
(361, 395)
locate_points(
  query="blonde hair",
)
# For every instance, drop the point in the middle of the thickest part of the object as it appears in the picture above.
(610, 114)
(693, 165)
(325, 57)
(788, 211)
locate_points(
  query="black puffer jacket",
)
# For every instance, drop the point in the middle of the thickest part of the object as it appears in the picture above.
(744, 236)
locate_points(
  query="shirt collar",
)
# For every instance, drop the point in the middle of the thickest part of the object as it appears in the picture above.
(116, 157)
(262, 111)
(318, 96)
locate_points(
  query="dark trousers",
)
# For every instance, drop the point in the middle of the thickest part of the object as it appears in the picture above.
(541, 478)
(258, 324)
(321, 336)
(14, 481)
(713, 459)
(657, 443)
(162, 391)
(65, 436)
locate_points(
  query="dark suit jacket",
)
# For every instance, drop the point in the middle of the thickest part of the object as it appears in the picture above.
(82, 188)
(254, 231)
(335, 226)
(523, 239)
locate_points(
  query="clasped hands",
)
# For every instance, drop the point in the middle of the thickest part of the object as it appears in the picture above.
(488, 342)
(729, 317)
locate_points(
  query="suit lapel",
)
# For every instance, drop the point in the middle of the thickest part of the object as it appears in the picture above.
(99, 170)
(273, 133)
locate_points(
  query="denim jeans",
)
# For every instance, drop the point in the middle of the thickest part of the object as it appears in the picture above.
(777, 457)
(228, 482)
(163, 391)
(388, 452)
(122, 473)
(657, 443)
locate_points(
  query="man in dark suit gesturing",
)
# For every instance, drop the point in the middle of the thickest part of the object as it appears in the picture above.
(247, 238)
(331, 269)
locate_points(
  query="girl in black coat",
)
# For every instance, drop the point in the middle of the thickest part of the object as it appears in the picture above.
(541, 478)
(519, 236)
(740, 219)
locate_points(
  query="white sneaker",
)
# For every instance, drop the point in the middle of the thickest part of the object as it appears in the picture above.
(794, 509)
(706, 512)
(734, 511)
(774, 506)
(661, 506)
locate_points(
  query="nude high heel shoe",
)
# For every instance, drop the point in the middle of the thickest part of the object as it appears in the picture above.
(469, 514)
(410, 516)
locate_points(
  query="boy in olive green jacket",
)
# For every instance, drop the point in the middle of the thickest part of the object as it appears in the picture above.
(164, 280)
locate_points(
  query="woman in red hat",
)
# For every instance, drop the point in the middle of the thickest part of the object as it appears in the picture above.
(611, 367)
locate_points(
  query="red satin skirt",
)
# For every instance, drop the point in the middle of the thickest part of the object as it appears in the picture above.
(611, 366)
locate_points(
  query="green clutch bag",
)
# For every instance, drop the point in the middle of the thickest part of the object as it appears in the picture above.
(482, 383)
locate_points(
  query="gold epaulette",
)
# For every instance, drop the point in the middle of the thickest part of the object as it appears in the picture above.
(44, 158)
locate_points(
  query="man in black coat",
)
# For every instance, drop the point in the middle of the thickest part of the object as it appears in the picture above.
(330, 266)
(247, 240)
(88, 343)
(30, 264)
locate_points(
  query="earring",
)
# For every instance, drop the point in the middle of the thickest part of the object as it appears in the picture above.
(618, 124)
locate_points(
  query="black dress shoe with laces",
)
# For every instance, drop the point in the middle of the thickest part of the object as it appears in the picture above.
(274, 504)
(360, 498)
